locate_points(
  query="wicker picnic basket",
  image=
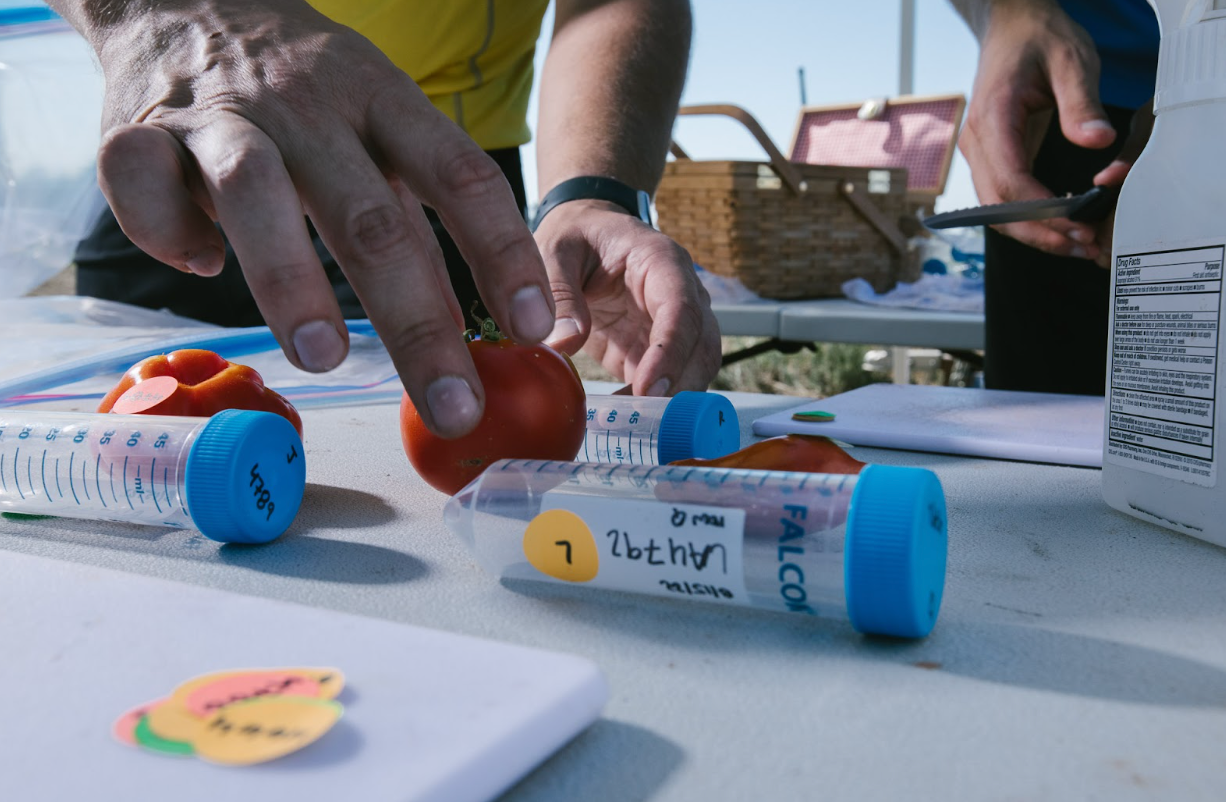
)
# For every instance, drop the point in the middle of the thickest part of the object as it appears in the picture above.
(788, 230)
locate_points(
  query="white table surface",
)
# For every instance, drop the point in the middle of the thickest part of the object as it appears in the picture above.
(840, 320)
(1080, 654)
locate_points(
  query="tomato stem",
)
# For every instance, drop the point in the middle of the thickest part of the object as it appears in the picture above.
(489, 331)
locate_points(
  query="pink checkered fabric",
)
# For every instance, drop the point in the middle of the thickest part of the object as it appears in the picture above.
(917, 136)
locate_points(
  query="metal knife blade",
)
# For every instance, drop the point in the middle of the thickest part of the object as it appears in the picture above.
(1088, 207)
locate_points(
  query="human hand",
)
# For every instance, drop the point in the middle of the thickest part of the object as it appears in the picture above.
(252, 114)
(1114, 174)
(630, 297)
(1033, 59)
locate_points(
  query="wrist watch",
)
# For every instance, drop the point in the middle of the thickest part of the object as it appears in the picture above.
(636, 202)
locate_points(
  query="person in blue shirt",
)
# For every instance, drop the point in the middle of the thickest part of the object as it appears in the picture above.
(1062, 101)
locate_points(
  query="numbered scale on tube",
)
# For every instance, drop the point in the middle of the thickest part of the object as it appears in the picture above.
(237, 477)
(648, 430)
(870, 548)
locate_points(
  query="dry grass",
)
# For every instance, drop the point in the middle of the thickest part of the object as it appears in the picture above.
(62, 283)
(818, 371)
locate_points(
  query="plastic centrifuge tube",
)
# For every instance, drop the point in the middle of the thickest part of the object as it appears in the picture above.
(238, 476)
(870, 548)
(648, 430)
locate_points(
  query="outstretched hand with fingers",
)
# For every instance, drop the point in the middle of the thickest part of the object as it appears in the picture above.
(628, 295)
(259, 115)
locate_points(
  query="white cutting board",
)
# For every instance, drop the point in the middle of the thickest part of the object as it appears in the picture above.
(1001, 424)
(428, 715)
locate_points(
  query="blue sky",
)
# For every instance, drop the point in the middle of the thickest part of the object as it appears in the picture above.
(747, 53)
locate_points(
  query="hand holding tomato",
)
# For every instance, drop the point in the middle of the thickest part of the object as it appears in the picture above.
(535, 408)
(196, 383)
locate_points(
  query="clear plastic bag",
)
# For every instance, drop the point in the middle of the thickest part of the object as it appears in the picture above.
(76, 349)
(50, 112)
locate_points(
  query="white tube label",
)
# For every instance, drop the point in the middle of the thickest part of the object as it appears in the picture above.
(1164, 370)
(675, 550)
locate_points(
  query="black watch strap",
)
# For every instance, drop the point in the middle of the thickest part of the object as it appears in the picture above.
(636, 202)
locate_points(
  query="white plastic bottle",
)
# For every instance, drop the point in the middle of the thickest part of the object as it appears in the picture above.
(1162, 457)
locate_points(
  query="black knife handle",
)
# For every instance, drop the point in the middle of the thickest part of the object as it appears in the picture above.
(1095, 205)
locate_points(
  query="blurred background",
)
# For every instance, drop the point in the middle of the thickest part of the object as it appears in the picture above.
(749, 54)
(769, 57)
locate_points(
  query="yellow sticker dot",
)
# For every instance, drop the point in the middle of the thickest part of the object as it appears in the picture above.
(264, 729)
(559, 544)
(172, 721)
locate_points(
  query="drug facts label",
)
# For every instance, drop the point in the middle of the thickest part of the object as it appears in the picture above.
(1164, 363)
(674, 550)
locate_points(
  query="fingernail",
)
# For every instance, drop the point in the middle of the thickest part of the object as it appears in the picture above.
(1079, 235)
(530, 315)
(1090, 126)
(1079, 252)
(207, 262)
(563, 329)
(319, 346)
(453, 406)
(660, 387)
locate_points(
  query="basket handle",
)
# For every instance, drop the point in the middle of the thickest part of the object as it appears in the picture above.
(869, 211)
(791, 176)
(783, 168)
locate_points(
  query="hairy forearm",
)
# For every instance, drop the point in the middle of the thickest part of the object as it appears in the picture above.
(86, 15)
(107, 21)
(978, 13)
(610, 88)
(94, 17)
(132, 38)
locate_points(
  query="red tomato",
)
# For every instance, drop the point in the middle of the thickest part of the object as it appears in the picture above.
(196, 383)
(535, 408)
(808, 453)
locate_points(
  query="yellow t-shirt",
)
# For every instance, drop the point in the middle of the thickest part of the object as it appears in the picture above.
(472, 58)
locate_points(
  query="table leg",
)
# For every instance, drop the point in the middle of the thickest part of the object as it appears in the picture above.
(900, 358)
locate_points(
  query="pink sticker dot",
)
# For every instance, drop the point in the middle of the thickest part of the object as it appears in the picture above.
(208, 699)
(145, 395)
(124, 728)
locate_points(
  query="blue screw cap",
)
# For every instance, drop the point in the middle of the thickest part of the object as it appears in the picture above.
(703, 425)
(894, 559)
(246, 474)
